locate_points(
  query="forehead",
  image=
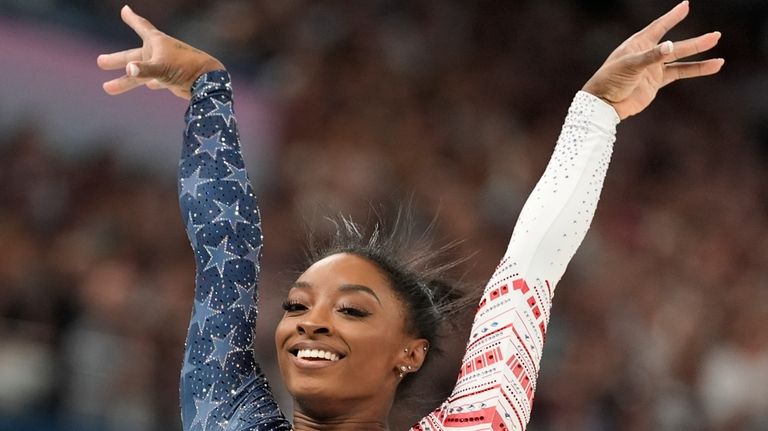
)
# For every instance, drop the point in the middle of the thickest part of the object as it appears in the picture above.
(347, 269)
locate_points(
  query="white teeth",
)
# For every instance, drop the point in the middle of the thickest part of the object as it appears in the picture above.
(318, 354)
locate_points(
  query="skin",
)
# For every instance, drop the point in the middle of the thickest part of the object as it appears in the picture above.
(357, 392)
(637, 69)
(345, 304)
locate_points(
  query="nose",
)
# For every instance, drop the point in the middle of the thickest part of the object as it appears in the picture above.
(312, 328)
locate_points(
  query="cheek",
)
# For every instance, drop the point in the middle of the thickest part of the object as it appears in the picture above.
(378, 344)
(282, 332)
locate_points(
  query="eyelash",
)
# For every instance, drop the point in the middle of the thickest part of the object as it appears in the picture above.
(293, 306)
(354, 311)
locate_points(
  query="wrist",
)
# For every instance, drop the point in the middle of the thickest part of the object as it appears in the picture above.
(213, 82)
(209, 65)
(212, 65)
(592, 89)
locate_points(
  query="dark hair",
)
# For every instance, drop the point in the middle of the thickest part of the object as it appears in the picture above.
(420, 273)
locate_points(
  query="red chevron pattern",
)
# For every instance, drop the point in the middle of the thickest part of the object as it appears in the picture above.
(497, 380)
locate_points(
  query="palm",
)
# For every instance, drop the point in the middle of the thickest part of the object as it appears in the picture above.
(634, 72)
(639, 88)
(643, 94)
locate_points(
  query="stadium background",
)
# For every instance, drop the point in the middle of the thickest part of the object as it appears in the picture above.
(659, 323)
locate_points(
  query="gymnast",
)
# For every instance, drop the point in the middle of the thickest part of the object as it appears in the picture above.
(361, 318)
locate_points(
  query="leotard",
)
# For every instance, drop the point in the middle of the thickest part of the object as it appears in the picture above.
(222, 386)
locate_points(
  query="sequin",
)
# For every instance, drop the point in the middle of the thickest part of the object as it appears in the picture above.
(222, 387)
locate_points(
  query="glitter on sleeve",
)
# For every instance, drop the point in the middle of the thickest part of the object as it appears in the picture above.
(497, 381)
(222, 386)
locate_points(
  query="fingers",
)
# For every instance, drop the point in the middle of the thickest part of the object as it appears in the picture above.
(122, 84)
(659, 53)
(696, 45)
(694, 69)
(669, 52)
(147, 70)
(118, 60)
(140, 25)
(658, 28)
(127, 83)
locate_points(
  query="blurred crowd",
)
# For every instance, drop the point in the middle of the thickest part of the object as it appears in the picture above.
(660, 323)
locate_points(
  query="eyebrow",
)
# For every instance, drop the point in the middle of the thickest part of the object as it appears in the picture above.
(342, 288)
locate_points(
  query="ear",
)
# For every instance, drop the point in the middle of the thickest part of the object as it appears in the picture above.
(413, 354)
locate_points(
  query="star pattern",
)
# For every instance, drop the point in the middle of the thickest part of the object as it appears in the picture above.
(188, 366)
(222, 109)
(222, 318)
(192, 230)
(191, 122)
(202, 313)
(246, 300)
(222, 347)
(190, 184)
(219, 256)
(210, 145)
(239, 175)
(253, 254)
(229, 214)
(204, 408)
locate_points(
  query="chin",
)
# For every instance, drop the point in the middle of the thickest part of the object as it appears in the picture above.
(310, 388)
(309, 384)
(319, 401)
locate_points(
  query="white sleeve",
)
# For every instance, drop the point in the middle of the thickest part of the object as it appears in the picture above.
(497, 381)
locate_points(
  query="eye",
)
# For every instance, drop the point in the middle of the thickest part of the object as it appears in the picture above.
(353, 311)
(293, 306)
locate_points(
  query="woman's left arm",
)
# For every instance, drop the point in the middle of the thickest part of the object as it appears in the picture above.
(498, 377)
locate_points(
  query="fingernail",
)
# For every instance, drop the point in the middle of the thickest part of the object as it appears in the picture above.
(133, 70)
(666, 47)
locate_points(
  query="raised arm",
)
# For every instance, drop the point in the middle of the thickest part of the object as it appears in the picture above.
(222, 387)
(497, 380)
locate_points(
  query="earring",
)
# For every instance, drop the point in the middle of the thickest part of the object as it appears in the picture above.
(402, 370)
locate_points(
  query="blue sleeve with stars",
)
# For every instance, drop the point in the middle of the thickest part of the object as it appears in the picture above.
(222, 387)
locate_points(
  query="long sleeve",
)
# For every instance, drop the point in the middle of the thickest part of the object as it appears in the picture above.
(497, 381)
(222, 387)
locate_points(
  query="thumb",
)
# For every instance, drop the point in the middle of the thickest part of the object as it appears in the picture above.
(653, 55)
(145, 69)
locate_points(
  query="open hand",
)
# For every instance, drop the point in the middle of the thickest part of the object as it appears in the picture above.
(634, 72)
(161, 62)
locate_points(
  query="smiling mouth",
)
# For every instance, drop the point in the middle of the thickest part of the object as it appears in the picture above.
(315, 355)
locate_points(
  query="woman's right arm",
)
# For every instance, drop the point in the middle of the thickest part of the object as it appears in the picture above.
(222, 387)
(221, 384)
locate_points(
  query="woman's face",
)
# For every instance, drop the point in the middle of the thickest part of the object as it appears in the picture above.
(342, 337)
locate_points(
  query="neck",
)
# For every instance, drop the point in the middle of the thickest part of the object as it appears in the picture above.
(351, 413)
(302, 422)
(324, 417)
